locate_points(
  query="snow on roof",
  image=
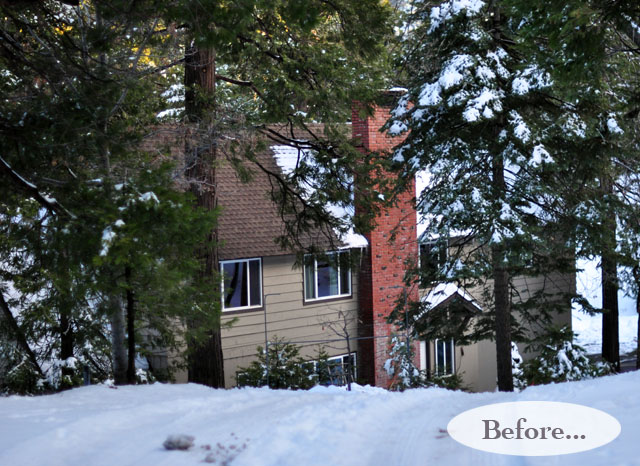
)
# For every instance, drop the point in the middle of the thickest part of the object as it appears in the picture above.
(288, 159)
(444, 291)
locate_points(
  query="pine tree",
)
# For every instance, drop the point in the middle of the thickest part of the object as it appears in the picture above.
(83, 203)
(593, 41)
(502, 132)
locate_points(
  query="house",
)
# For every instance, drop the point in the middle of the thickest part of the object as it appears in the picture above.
(334, 306)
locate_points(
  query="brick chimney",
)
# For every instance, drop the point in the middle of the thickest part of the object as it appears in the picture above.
(384, 262)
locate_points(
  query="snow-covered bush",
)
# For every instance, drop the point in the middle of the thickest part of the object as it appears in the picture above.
(144, 376)
(516, 368)
(560, 360)
(22, 378)
(400, 366)
(287, 369)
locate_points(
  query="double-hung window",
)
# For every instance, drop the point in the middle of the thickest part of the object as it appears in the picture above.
(445, 357)
(241, 284)
(328, 276)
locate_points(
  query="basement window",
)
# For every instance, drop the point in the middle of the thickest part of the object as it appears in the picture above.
(335, 370)
(327, 277)
(241, 284)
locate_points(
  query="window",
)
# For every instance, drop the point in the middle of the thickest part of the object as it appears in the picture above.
(433, 256)
(445, 357)
(241, 284)
(327, 277)
(336, 369)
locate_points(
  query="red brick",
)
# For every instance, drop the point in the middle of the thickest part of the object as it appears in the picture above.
(383, 268)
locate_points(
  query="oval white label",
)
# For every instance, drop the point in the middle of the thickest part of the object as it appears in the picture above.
(534, 428)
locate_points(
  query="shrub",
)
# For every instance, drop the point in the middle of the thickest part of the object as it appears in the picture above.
(286, 368)
(400, 367)
(560, 360)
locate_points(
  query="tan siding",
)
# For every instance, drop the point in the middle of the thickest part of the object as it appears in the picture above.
(287, 317)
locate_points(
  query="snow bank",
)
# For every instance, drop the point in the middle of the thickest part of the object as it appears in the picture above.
(254, 427)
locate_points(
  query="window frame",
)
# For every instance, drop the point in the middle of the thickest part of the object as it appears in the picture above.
(436, 372)
(340, 295)
(260, 279)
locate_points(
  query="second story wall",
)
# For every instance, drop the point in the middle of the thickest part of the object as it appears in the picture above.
(288, 316)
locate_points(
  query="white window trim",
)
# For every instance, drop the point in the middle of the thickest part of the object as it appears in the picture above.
(315, 277)
(222, 292)
(453, 357)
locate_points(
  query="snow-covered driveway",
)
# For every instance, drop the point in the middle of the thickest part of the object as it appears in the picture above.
(326, 426)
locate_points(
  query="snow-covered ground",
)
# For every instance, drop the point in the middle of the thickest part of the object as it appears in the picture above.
(99, 425)
(589, 328)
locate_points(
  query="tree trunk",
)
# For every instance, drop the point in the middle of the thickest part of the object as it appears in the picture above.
(119, 354)
(65, 308)
(501, 278)
(503, 321)
(66, 338)
(131, 329)
(205, 357)
(501, 293)
(113, 301)
(610, 338)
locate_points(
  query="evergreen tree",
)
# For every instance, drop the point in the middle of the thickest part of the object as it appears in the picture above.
(591, 40)
(93, 224)
(516, 140)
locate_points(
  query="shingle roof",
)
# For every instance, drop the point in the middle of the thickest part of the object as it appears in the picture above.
(250, 221)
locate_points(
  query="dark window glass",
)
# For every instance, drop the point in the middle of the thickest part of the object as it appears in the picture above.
(449, 357)
(327, 278)
(255, 292)
(440, 355)
(309, 278)
(235, 277)
(345, 274)
(334, 370)
(444, 357)
(433, 256)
